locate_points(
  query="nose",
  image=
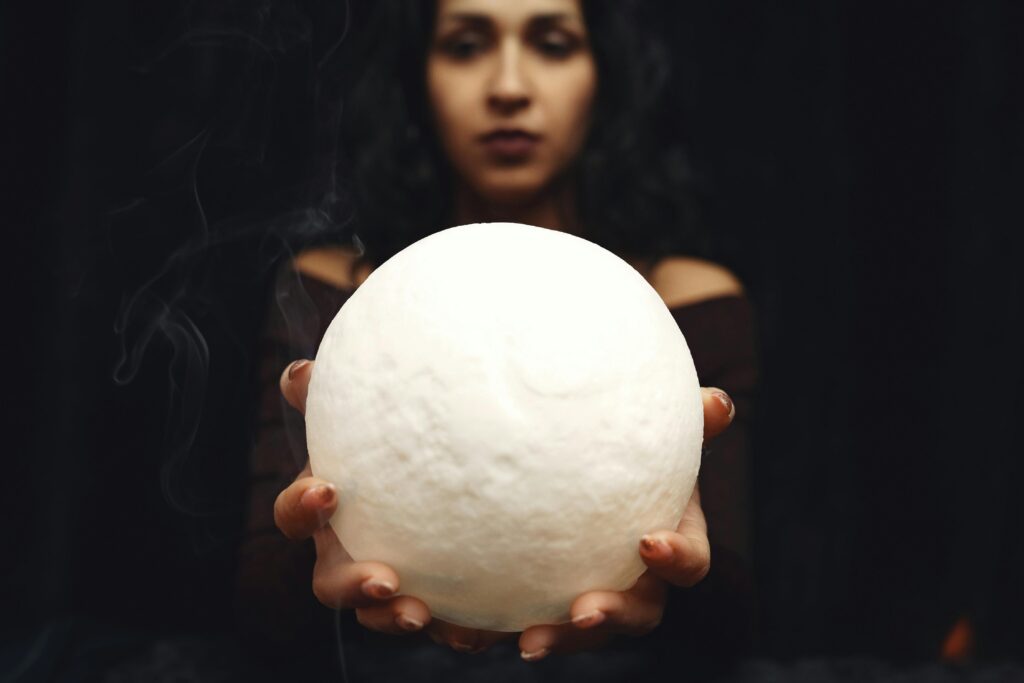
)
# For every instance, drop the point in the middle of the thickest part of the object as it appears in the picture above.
(508, 91)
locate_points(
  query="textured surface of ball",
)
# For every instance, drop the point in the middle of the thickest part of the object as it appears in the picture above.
(505, 411)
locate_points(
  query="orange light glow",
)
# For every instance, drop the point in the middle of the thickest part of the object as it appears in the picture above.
(959, 644)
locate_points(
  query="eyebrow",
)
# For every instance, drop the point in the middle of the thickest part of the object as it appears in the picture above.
(476, 19)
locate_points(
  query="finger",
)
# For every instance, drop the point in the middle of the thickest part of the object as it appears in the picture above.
(719, 411)
(305, 506)
(537, 642)
(343, 584)
(681, 559)
(295, 383)
(464, 639)
(597, 616)
(398, 616)
(693, 521)
(634, 612)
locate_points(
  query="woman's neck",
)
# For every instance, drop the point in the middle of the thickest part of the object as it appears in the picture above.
(555, 210)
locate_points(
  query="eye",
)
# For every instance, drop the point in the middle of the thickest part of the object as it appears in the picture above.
(464, 45)
(556, 44)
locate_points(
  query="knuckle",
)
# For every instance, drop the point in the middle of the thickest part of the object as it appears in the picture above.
(691, 580)
(279, 510)
(323, 592)
(699, 570)
(283, 517)
(694, 568)
(319, 593)
(470, 648)
(646, 626)
(289, 531)
(687, 579)
(704, 570)
(651, 625)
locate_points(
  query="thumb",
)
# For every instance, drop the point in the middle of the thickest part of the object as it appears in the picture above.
(718, 411)
(295, 383)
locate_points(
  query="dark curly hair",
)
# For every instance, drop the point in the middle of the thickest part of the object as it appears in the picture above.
(633, 187)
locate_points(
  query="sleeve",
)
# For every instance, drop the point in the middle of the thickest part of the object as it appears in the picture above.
(274, 604)
(722, 337)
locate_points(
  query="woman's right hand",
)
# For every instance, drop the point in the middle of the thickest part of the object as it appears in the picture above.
(339, 582)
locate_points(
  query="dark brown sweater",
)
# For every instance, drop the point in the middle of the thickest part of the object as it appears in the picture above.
(274, 595)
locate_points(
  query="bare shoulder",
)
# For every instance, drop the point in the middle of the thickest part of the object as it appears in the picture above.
(682, 280)
(332, 265)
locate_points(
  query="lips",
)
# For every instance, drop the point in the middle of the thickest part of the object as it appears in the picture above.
(510, 142)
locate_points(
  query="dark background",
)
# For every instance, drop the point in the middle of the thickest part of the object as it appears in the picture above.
(862, 164)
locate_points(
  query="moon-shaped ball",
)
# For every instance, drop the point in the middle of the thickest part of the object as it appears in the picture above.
(505, 410)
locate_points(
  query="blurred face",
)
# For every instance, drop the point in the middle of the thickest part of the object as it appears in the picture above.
(511, 83)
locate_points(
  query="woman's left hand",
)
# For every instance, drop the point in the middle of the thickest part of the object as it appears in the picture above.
(634, 612)
(681, 557)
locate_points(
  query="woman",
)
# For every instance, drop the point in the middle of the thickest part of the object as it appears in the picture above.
(529, 112)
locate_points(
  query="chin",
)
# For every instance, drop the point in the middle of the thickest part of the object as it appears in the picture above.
(510, 190)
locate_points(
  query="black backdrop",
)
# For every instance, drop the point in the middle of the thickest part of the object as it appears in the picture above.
(862, 164)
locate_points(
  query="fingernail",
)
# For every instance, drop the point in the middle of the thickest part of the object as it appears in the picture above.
(727, 402)
(535, 655)
(462, 647)
(408, 623)
(321, 495)
(655, 547)
(295, 367)
(378, 589)
(589, 620)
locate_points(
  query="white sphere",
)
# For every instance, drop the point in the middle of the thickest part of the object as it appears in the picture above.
(505, 411)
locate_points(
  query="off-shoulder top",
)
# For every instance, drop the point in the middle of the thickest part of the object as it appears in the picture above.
(276, 607)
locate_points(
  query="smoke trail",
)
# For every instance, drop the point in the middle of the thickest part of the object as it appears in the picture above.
(195, 215)
(238, 54)
(153, 313)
